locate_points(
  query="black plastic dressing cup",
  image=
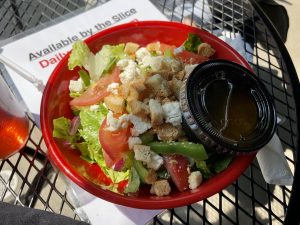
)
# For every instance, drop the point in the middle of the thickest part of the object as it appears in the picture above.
(227, 108)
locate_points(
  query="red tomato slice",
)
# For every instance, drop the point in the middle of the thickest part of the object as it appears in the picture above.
(122, 185)
(96, 173)
(97, 91)
(114, 144)
(190, 57)
(164, 47)
(155, 46)
(177, 166)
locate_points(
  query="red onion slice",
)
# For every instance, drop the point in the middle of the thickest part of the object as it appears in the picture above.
(75, 123)
(119, 165)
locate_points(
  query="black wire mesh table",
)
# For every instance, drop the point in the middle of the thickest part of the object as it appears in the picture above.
(249, 200)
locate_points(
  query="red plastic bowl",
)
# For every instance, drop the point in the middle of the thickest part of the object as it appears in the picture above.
(55, 103)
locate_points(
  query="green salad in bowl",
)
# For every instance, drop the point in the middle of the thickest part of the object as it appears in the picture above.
(127, 120)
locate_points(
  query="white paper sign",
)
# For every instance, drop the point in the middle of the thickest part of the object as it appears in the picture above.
(40, 52)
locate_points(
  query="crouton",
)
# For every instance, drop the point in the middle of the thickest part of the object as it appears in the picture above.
(151, 178)
(130, 48)
(138, 84)
(180, 75)
(153, 47)
(142, 153)
(123, 90)
(156, 112)
(160, 188)
(205, 50)
(167, 132)
(175, 85)
(115, 103)
(138, 108)
(133, 94)
(158, 85)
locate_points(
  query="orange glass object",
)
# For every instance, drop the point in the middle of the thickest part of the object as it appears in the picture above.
(14, 124)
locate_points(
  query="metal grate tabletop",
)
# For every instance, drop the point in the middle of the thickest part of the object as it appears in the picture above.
(249, 200)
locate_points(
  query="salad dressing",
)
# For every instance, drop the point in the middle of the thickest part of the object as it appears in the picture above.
(232, 109)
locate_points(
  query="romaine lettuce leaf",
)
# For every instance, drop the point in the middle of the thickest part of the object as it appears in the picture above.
(115, 176)
(79, 55)
(222, 163)
(87, 153)
(61, 129)
(105, 59)
(133, 182)
(98, 64)
(205, 171)
(85, 77)
(192, 42)
(91, 151)
(91, 122)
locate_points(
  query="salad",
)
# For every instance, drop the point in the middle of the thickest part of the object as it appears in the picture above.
(127, 122)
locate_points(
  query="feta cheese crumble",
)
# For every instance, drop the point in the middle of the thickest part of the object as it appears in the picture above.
(195, 179)
(113, 88)
(94, 107)
(155, 162)
(76, 85)
(172, 113)
(115, 124)
(139, 126)
(130, 70)
(141, 53)
(134, 141)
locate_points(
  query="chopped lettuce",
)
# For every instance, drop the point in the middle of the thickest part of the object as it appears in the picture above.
(85, 77)
(205, 171)
(86, 152)
(115, 176)
(192, 42)
(61, 129)
(141, 170)
(79, 55)
(222, 163)
(168, 53)
(91, 149)
(91, 122)
(74, 94)
(103, 109)
(133, 182)
(105, 59)
(98, 64)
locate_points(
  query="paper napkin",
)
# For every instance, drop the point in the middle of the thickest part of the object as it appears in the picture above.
(98, 211)
(273, 164)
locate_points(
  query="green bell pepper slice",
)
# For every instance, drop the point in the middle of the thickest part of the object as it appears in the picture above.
(189, 149)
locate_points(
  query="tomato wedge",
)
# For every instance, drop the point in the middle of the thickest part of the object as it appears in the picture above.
(177, 166)
(190, 57)
(96, 173)
(164, 47)
(122, 185)
(114, 144)
(97, 91)
(158, 46)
